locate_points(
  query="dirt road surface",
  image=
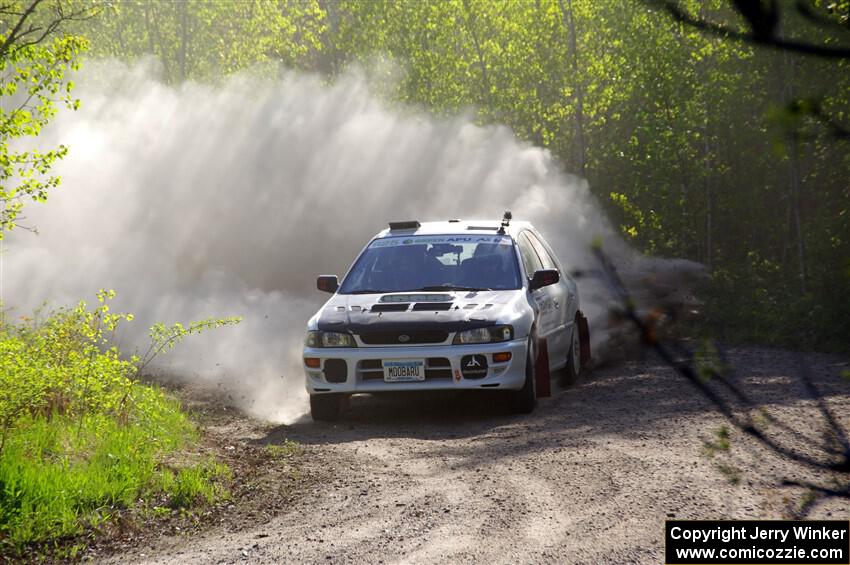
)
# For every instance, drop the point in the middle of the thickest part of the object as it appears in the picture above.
(590, 477)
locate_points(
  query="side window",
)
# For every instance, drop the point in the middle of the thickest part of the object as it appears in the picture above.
(529, 257)
(548, 260)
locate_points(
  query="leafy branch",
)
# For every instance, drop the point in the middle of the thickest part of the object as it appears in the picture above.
(34, 59)
(164, 338)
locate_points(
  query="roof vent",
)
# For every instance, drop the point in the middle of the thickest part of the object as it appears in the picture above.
(408, 225)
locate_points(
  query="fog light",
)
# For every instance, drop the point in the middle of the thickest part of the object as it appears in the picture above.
(312, 362)
(502, 357)
(473, 366)
(336, 370)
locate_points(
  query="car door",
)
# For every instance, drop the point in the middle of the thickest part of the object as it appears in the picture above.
(544, 298)
(563, 299)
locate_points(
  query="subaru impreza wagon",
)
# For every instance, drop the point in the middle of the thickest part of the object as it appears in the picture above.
(446, 306)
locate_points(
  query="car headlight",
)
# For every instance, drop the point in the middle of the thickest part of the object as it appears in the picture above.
(493, 334)
(312, 339)
(329, 339)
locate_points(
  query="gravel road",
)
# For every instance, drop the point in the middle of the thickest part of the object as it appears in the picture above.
(588, 478)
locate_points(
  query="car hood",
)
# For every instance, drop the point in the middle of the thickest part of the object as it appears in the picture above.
(403, 311)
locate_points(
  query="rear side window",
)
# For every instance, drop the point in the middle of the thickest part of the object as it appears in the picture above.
(530, 260)
(542, 252)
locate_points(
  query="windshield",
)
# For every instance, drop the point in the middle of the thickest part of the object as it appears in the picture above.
(444, 262)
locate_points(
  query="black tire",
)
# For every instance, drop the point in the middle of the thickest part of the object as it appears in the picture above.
(525, 399)
(570, 373)
(325, 407)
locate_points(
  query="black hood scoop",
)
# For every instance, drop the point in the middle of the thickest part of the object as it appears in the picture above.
(400, 317)
(432, 306)
(390, 307)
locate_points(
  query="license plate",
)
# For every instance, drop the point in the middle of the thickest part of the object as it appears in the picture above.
(403, 370)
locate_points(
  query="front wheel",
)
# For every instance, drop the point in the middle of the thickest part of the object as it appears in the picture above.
(325, 407)
(525, 399)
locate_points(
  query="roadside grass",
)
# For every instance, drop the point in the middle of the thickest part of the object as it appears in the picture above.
(285, 450)
(81, 439)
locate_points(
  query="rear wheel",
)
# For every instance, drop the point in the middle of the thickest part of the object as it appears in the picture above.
(570, 373)
(525, 399)
(325, 407)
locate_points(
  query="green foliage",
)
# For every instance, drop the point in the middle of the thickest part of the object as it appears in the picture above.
(719, 450)
(202, 39)
(61, 475)
(33, 84)
(721, 443)
(699, 147)
(756, 302)
(707, 361)
(81, 437)
(637, 225)
(678, 130)
(285, 450)
(196, 485)
(64, 366)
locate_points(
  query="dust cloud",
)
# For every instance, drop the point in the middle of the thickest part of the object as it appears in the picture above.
(199, 200)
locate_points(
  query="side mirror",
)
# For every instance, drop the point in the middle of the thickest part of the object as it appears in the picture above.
(544, 277)
(327, 283)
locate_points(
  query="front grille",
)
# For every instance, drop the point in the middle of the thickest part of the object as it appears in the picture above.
(436, 368)
(403, 338)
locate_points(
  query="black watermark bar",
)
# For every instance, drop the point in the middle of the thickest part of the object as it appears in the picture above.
(757, 542)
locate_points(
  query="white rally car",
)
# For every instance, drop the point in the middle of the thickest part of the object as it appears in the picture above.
(446, 306)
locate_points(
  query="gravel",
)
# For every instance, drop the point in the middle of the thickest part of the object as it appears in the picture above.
(590, 477)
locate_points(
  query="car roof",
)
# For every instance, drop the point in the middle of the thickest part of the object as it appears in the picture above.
(454, 227)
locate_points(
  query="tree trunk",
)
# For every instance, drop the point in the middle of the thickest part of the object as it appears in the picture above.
(709, 202)
(184, 37)
(795, 182)
(482, 64)
(155, 39)
(149, 29)
(793, 174)
(569, 22)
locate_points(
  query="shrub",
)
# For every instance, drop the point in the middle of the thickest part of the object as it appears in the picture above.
(80, 437)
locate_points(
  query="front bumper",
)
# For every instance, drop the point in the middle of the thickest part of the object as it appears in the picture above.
(443, 368)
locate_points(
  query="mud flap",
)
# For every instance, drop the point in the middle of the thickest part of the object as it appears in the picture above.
(584, 338)
(541, 370)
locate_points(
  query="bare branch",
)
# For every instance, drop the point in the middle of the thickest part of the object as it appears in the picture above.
(759, 36)
(808, 11)
(20, 38)
(683, 364)
(839, 493)
(13, 36)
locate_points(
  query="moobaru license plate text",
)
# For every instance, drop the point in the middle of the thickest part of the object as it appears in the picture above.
(404, 370)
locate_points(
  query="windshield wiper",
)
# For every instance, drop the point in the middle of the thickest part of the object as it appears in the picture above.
(449, 287)
(369, 291)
